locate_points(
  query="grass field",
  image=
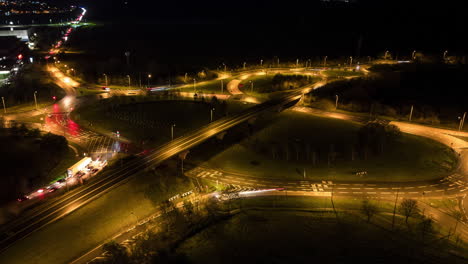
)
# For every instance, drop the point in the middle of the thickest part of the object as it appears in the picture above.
(211, 86)
(303, 237)
(149, 120)
(98, 221)
(338, 73)
(18, 179)
(284, 148)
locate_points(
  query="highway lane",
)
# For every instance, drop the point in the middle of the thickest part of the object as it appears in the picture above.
(61, 207)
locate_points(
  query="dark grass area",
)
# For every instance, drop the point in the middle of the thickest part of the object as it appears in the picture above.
(43, 165)
(284, 148)
(149, 121)
(303, 237)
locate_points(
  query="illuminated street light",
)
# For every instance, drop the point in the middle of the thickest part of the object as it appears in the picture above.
(336, 102)
(385, 55)
(351, 61)
(413, 55)
(251, 86)
(105, 77)
(4, 107)
(462, 122)
(244, 65)
(129, 80)
(261, 63)
(211, 114)
(149, 77)
(35, 99)
(445, 54)
(172, 131)
(325, 61)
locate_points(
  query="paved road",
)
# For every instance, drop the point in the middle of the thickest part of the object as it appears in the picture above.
(73, 200)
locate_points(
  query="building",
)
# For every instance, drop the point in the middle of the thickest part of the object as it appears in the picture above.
(22, 33)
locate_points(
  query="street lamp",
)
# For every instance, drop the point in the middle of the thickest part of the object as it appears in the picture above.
(445, 54)
(149, 77)
(222, 85)
(325, 61)
(4, 107)
(251, 86)
(129, 80)
(261, 63)
(297, 62)
(35, 99)
(211, 114)
(462, 122)
(244, 65)
(351, 61)
(413, 54)
(336, 102)
(105, 77)
(194, 85)
(172, 131)
(385, 55)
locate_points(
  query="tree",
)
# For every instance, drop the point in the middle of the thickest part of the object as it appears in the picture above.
(189, 209)
(368, 209)
(426, 226)
(409, 208)
(118, 253)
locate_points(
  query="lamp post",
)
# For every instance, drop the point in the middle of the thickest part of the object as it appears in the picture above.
(129, 80)
(211, 114)
(411, 113)
(325, 61)
(297, 62)
(35, 99)
(244, 65)
(385, 55)
(251, 86)
(222, 85)
(261, 63)
(336, 101)
(350, 61)
(194, 85)
(149, 77)
(445, 54)
(413, 54)
(462, 122)
(4, 107)
(172, 131)
(105, 77)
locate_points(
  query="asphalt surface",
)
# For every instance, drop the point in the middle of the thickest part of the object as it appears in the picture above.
(49, 213)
